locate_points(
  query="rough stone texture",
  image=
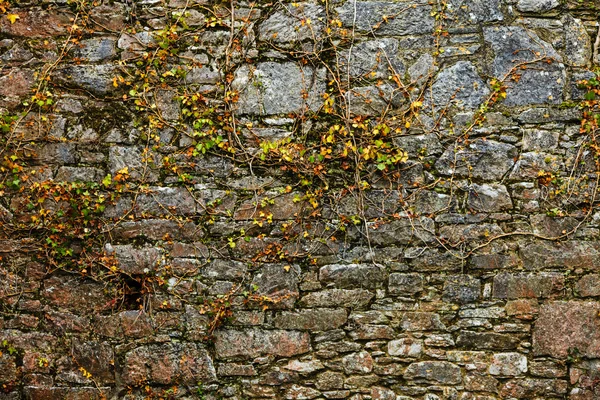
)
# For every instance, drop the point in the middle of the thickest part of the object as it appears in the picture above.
(409, 19)
(459, 85)
(514, 45)
(254, 343)
(470, 271)
(567, 327)
(273, 88)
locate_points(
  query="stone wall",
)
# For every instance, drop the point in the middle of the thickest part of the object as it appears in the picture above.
(340, 199)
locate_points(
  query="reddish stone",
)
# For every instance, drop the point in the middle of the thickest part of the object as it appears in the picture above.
(37, 23)
(568, 326)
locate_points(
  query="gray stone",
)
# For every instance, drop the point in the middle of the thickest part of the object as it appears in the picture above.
(79, 174)
(459, 85)
(483, 159)
(431, 202)
(403, 231)
(94, 50)
(405, 284)
(461, 289)
(578, 44)
(353, 275)
(225, 269)
(514, 45)
(351, 298)
(138, 164)
(489, 198)
(96, 79)
(402, 19)
(291, 23)
(534, 139)
(470, 13)
(358, 363)
(537, 6)
(311, 320)
(523, 285)
(256, 342)
(373, 100)
(373, 59)
(166, 201)
(273, 88)
(419, 145)
(442, 372)
(508, 364)
(530, 164)
(167, 105)
(422, 68)
(275, 280)
(405, 347)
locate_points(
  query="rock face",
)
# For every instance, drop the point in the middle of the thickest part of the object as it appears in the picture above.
(313, 199)
(567, 328)
(274, 88)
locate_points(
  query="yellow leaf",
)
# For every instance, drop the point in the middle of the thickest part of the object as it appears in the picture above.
(12, 18)
(287, 268)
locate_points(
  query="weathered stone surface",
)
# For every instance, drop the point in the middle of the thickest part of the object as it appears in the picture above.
(564, 326)
(405, 284)
(508, 364)
(353, 275)
(459, 85)
(537, 6)
(434, 371)
(512, 46)
(291, 23)
(491, 341)
(588, 286)
(352, 298)
(489, 198)
(257, 342)
(75, 295)
(406, 347)
(403, 231)
(538, 285)
(311, 320)
(470, 13)
(462, 289)
(273, 88)
(567, 254)
(487, 160)
(578, 46)
(96, 79)
(369, 15)
(373, 59)
(166, 364)
(358, 363)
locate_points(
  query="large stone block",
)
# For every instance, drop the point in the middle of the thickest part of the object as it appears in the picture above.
(353, 275)
(400, 18)
(311, 320)
(442, 372)
(278, 88)
(294, 22)
(514, 46)
(567, 327)
(258, 342)
(169, 363)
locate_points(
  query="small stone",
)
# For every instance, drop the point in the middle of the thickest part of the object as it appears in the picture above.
(459, 85)
(361, 363)
(537, 6)
(406, 347)
(508, 364)
(462, 289)
(405, 284)
(442, 372)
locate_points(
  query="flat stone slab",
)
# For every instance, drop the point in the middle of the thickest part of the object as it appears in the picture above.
(565, 327)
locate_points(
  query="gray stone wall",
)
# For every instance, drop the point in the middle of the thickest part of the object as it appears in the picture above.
(341, 199)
